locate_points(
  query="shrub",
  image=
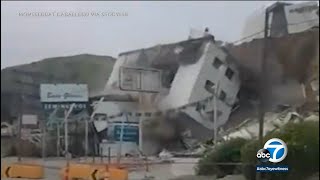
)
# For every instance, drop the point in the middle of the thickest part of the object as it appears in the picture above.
(228, 151)
(303, 152)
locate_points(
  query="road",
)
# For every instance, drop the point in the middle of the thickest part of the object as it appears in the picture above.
(184, 166)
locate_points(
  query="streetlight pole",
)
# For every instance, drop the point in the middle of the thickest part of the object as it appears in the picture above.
(215, 114)
(58, 139)
(261, 107)
(87, 126)
(121, 138)
(20, 126)
(44, 131)
(67, 113)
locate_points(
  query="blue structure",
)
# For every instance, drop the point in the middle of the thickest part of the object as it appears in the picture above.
(130, 133)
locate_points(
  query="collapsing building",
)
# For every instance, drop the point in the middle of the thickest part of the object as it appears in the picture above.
(191, 71)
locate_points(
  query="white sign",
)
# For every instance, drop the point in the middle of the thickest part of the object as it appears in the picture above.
(64, 92)
(29, 119)
(139, 79)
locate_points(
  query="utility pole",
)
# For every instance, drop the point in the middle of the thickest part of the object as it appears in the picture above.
(86, 132)
(87, 126)
(66, 115)
(121, 138)
(215, 113)
(140, 122)
(20, 127)
(44, 129)
(261, 110)
(66, 143)
(58, 139)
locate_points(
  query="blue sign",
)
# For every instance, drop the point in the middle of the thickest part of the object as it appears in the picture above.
(130, 133)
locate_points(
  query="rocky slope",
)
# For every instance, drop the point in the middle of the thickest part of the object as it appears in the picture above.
(90, 69)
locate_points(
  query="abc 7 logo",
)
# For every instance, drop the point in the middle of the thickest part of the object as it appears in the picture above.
(263, 155)
(275, 150)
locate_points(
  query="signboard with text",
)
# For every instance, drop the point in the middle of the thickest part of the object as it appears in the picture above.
(62, 96)
(140, 79)
(29, 119)
(64, 93)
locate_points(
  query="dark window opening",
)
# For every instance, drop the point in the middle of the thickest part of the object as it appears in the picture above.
(200, 107)
(211, 115)
(229, 73)
(217, 63)
(222, 95)
(148, 114)
(209, 86)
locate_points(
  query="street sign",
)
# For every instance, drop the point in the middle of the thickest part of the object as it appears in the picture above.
(130, 133)
(62, 96)
(140, 79)
(50, 93)
(29, 119)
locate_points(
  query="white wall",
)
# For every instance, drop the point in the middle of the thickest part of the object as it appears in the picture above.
(209, 72)
(183, 85)
(189, 86)
(254, 24)
(301, 21)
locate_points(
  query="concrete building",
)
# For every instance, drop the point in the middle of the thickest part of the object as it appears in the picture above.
(191, 71)
(285, 18)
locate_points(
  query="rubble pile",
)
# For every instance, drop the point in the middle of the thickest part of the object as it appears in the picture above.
(249, 128)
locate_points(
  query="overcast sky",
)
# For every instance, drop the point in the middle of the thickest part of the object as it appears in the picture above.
(27, 36)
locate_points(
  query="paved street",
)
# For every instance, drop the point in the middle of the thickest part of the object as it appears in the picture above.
(184, 166)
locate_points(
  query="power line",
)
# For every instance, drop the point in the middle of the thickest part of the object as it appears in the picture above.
(280, 26)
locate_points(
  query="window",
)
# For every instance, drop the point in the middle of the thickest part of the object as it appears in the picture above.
(209, 86)
(217, 63)
(200, 107)
(229, 73)
(222, 95)
(210, 114)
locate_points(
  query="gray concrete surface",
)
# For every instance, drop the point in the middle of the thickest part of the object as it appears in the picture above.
(182, 169)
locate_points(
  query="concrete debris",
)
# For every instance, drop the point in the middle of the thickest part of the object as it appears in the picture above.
(312, 117)
(200, 150)
(272, 121)
(148, 178)
(188, 141)
(165, 155)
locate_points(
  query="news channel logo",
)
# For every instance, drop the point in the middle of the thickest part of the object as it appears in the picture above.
(275, 150)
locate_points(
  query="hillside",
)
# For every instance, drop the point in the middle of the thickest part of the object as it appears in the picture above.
(90, 69)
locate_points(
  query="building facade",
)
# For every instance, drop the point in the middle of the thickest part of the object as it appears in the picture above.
(191, 71)
(284, 19)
